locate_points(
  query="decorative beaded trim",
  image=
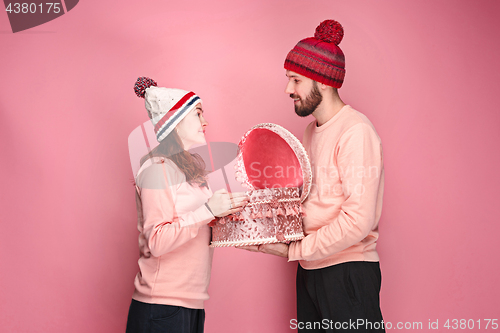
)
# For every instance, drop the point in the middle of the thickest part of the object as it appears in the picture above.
(269, 201)
(256, 241)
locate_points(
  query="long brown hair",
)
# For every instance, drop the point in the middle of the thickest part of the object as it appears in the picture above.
(192, 165)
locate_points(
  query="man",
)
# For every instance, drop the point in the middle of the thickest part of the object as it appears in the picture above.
(338, 279)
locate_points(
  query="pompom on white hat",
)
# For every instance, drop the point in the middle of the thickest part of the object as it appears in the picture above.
(166, 106)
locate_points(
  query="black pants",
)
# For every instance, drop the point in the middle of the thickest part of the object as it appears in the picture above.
(343, 297)
(158, 318)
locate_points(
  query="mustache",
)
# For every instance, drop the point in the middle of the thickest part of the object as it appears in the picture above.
(294, 96)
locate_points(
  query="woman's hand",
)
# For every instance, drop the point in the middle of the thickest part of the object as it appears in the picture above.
(223, 203)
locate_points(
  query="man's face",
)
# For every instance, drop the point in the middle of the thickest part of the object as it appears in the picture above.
(305, 93)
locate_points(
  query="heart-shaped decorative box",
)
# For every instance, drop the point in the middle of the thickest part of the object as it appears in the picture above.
(274, 166)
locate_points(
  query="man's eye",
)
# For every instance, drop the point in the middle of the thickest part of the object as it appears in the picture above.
(296, 81)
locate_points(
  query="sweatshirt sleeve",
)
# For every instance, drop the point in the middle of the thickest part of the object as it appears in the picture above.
(359, 151)
(163, 228)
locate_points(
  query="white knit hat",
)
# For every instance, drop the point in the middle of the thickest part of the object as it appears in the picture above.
(166, 106)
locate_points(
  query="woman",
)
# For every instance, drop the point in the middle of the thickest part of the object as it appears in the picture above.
(174, 205)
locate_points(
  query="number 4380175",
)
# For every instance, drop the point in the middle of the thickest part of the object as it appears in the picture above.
(33, 8)
(471, 324)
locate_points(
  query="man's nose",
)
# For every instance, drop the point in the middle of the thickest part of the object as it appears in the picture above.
(289, 88)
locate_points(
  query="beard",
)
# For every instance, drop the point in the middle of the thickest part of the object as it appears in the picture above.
(311, 102)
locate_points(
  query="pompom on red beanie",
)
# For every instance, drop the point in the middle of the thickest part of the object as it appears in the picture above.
(320, 58)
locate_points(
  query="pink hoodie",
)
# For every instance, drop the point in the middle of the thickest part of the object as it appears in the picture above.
(345, 203)
(175, 260)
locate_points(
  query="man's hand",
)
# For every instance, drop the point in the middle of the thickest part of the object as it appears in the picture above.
(277, 249)
(251, 248)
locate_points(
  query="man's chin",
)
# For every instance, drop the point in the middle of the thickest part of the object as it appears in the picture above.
(302, 113)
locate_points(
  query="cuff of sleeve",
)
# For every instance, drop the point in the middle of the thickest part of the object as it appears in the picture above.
(202, 215)
(208, 207)
(294, 251)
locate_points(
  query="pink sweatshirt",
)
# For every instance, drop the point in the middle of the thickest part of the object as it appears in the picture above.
(175, 260)
(345, 203)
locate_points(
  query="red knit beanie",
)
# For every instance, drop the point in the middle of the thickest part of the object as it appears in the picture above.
(319, 58)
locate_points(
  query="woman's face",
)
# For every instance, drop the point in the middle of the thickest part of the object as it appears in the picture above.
(191, 129)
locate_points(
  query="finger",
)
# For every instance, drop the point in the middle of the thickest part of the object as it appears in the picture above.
(278, 249)
(238, 194)
(252, 248)
(240, 206)
(241, 199)
(237, 203)
(240, 202)
(234, 209)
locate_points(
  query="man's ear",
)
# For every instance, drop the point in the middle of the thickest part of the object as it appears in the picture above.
(323, 86)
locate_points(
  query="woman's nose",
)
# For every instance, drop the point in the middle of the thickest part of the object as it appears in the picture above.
(204, 122)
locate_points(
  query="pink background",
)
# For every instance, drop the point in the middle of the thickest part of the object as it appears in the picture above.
(425, 72)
